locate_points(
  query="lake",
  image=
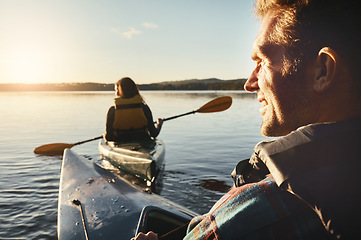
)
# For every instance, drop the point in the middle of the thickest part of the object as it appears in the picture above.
(201, 149)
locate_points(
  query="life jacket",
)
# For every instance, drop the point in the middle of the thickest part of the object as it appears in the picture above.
(129, 116)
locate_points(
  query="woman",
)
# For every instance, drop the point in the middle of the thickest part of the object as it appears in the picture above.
(130, 119)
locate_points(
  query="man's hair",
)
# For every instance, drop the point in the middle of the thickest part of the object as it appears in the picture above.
(306, 26)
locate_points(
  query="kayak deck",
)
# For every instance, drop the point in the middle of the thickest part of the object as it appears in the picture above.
(101, 205)
(144, 159)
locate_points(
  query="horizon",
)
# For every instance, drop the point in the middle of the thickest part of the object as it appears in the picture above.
(151, 41)
(192, 79)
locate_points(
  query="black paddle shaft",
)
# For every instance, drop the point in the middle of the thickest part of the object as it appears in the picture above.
(181, 115)
(89, 140)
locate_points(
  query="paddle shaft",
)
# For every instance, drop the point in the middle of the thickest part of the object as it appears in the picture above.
(216, 105)
(180, 115)
(89, 140)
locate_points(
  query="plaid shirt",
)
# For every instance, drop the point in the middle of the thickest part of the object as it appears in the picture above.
(258, 211)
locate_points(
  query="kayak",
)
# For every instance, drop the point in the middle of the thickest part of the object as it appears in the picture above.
(144, 159)
(94, 203)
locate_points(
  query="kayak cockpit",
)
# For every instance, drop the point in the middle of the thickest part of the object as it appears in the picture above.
(143, 159)
(162, 222)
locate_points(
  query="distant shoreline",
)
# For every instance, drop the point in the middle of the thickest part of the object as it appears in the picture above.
(193, 84)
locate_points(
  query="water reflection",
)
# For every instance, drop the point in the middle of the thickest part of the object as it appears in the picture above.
(215, 185)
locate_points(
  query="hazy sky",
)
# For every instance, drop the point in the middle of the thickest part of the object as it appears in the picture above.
(103, 40)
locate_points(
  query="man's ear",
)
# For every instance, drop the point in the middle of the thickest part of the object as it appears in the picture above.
(325, 73)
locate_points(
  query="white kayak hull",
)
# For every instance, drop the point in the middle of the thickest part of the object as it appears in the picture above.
(96, 204)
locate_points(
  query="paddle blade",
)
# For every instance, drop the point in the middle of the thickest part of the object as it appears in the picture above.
(52, 149)
(216, 105)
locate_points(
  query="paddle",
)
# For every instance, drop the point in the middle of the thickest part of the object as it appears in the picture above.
(216, 105)
(54, 149)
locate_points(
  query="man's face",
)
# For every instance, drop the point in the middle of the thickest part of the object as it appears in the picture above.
(284, 97)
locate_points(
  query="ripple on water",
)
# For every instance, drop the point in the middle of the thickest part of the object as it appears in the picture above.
(28, 197)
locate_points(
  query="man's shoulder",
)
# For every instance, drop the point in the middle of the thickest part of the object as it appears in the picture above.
(259, 210)
(263, 196)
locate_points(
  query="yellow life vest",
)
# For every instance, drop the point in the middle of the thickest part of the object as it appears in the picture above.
(129, 116)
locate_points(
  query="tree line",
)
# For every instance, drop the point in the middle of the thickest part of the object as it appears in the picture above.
(194, 84)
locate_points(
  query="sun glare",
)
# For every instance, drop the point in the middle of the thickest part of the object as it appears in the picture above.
(27, 67)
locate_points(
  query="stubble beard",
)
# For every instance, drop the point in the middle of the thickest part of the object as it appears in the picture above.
(271, 126)
(290, 110)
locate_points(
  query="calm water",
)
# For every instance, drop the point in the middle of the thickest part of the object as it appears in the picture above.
(201, 149)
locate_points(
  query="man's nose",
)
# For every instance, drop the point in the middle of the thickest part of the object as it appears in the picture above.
(251, 84)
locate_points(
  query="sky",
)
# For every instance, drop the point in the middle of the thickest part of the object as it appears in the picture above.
(60, 41)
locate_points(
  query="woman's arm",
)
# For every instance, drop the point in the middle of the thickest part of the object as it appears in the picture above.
(109, 131)
(154, 130)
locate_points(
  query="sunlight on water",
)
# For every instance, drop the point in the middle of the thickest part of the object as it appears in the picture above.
(201, 149)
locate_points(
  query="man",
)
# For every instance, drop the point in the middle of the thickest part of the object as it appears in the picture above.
(303, 185)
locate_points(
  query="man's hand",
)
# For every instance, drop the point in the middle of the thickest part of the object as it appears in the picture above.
(149, 236)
